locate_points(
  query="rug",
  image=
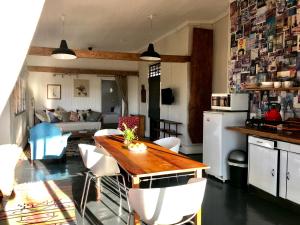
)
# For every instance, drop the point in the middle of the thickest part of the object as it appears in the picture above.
(40, 203)
(72, 147)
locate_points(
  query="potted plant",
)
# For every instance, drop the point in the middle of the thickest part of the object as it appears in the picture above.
(128, 134)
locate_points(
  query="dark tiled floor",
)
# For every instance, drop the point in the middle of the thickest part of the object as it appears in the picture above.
(223, 204)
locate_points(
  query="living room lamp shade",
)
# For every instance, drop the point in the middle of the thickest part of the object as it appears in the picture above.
(63, 52)
(150, 54)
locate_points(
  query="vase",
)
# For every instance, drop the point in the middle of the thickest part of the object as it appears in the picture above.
(126, 142)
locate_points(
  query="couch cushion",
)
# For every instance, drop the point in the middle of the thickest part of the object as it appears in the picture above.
(74, 116)
(41, 115)
(66, 116)
(94, 116)
(51, 117)
(82, 114)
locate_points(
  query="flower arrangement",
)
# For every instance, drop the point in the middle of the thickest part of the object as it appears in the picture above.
(129, 134)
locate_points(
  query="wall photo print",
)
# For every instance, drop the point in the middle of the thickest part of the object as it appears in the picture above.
(81, 88)
(264, 42)
(54, 91)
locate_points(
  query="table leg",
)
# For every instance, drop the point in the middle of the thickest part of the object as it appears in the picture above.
(136, 184)
(198, 217)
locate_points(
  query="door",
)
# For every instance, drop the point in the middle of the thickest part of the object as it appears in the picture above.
(293, 177)
(212, 142)
(154, 106)
(263, 168)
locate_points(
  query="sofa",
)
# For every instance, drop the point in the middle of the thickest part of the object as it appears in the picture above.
(69, 121)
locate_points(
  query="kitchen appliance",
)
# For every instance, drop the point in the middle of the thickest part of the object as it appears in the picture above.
(219, 141)
(273, 113)
(229, 102)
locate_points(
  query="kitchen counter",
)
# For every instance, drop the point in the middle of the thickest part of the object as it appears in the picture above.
(280, 136)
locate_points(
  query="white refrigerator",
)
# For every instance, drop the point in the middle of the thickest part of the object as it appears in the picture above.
(218, 141)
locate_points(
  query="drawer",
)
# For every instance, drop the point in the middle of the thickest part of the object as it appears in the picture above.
(295, 148)
(283, 145)
(261, 142)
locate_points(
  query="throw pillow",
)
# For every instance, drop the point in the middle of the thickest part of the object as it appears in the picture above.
(82, 114)
(41, 115)
(58, 112)
(51, 117)
(94, 116)
(74, 116)
(66, 116)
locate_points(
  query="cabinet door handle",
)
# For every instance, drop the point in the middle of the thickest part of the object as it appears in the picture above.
(259, 142)
(288, 175)
(273, 172)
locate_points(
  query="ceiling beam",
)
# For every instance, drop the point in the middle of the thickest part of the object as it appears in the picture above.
(63, 70)
(88, 54)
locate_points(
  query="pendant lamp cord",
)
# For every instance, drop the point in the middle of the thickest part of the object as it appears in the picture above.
(63, 25)
(150, 18)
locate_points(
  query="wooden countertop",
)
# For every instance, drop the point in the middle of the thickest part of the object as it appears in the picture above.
(284, 136)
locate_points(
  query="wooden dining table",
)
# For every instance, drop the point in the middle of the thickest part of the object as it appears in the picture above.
(155, 161)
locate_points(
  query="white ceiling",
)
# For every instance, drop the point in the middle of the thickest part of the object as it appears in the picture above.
(115, 25)
(119, 25)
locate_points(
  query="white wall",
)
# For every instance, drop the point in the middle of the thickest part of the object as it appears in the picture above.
(133, 94)
(14, 127)
(5, 137)
(221, 48)
(177, 75)
(37, 83)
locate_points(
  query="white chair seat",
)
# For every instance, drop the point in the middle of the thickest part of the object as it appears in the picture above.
(105, 132)
(168, 205)
(172, 143)
(100, 165)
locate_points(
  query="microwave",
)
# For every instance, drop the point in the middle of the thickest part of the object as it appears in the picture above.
(230, 102)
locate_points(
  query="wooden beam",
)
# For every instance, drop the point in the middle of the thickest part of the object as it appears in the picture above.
(81, 71)
(43, 51)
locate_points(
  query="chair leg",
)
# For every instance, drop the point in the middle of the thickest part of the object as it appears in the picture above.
(98, 188)
(84, 189)
(126, 194)
(120, 196)
(85, 200)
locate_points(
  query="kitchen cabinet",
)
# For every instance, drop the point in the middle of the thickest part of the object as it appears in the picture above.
(263, 161)
(289, 171)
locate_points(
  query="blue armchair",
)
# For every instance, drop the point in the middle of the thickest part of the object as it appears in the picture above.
(47, 141)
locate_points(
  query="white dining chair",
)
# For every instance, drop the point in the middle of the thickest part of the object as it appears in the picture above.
(104, 132)
(172, 143)
(99, 165)
(170, 205)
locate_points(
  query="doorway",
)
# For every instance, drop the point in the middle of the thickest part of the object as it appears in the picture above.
(154, 100)
(111, 100)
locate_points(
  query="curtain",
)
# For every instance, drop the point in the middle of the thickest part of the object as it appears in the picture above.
(122, 86)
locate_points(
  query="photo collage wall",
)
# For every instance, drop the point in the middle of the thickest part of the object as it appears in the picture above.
(265, 46)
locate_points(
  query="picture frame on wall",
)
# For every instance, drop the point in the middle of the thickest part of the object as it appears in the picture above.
(81, 88)
(54, 91)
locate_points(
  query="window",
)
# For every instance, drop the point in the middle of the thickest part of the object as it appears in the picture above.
(154, 70)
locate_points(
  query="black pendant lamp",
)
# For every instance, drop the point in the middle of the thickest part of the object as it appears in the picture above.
(150, 54)
(63, 52)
